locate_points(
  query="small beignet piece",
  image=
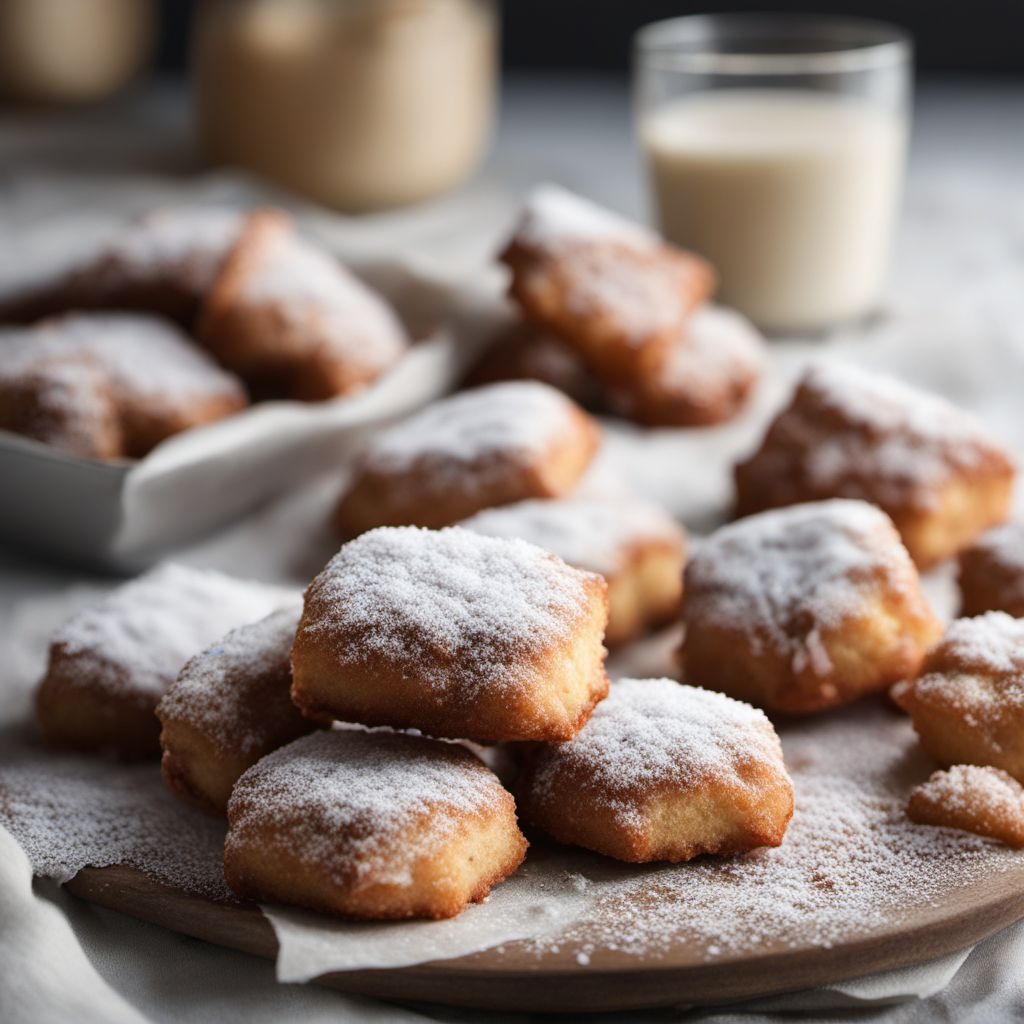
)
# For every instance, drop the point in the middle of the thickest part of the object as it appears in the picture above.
(662, 772)
(974, 798)
(477, 449)
(371, 825)
(992, 572)
(635, 545)
(610, 288)
(707, 377)
(66, 379)
(967, 705)
(452, 633)
(848, 433)
(292, 321)
(230, 706)
(805, 608)
(110, 664)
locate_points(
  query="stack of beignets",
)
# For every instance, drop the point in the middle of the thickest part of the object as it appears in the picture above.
(274, 309)
(627, 312)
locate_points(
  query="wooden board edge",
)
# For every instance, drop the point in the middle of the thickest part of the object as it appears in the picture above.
(538, 988)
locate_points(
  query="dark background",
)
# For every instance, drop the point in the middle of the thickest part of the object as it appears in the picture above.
(976, 36)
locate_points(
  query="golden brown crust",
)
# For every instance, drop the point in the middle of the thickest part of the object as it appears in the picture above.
(975, 798)
(853, 435)
(991, 572)
(371, 826)
(230, 706)
(662, 772)
(806, 608)
(452, 633)
(620, 306)
(65, 405)
(439, 487)
(291, 321)
(707, 376)
(966, 704)
(92, 714)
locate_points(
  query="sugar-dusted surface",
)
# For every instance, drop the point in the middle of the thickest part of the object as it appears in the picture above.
(973, 788)
(310, 287)
(146, 357)
(554, 217)
(465, 438)
(138, 637)
(654, 733)
(907, 441)
(1005, 544)
(994, 566)
(591, 533)
(214, 692)
(191, 240)
(466, 610)
(978, 665)
(784, 575)
(717, 345)
(851, 864)
(349, 802)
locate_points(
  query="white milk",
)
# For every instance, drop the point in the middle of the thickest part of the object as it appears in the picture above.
(791, 194)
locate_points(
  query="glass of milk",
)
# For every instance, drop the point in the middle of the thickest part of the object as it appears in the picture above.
(775, 146)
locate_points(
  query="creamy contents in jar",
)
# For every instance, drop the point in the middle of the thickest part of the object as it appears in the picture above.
(791, 194)
(360, 104)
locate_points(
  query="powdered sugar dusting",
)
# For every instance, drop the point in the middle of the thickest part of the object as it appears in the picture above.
(307, 285)
(68, 812)
(347, 801)
(214, 692)
(978, 666)
(591, 533)
(777, 571)
(553, 216)
(143, 355)
(465, 609)
(716, 345)
(473, 435)
(656, 732)
(973, 789)
(909, 441)
(139, 636)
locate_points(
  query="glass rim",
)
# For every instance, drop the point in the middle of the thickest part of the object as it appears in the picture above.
(694, 43)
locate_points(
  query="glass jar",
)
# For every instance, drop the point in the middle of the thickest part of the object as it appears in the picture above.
(52, 51)
(359, 104)
(775, 146)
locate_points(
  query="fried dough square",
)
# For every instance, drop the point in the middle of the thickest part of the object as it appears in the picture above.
(662, 772)
(489, 446)
(805, 608)
(848, 433)
(452, 633)
(371, 825)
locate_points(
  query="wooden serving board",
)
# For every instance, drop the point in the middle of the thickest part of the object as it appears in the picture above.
(513, 979)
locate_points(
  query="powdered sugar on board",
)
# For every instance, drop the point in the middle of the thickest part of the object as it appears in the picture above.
(598, 534)
(850, 865)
